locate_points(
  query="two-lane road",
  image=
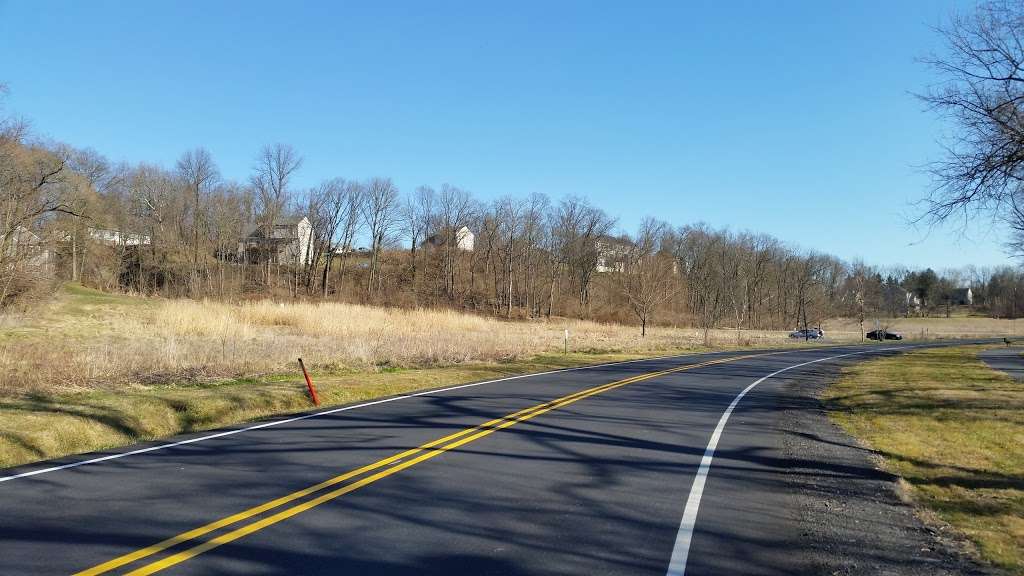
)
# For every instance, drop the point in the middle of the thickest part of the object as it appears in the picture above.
(629, 468)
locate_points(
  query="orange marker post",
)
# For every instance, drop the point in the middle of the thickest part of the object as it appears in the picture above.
(309, 384)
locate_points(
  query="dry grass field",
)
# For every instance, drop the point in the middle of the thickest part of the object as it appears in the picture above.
(91, 340)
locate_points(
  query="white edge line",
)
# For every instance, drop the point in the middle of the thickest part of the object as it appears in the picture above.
(681, 549)
(323, 413)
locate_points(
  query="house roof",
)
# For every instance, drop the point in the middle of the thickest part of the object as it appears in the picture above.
(283, 223)
(22, 234)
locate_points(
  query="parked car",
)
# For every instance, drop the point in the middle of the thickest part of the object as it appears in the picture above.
(808, 334)
(883, 335)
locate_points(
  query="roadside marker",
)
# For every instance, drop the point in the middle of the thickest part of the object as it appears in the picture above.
(309, 384)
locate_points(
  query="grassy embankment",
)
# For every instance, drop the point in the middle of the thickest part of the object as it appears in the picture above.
(953, 430)
(93, 370)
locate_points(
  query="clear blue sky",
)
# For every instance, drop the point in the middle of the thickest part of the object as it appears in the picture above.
(792, 118)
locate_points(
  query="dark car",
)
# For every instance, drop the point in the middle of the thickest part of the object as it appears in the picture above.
(883, 335)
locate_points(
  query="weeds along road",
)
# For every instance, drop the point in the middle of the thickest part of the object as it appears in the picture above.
(650, 467)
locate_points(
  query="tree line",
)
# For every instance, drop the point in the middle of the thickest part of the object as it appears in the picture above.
(180, 231)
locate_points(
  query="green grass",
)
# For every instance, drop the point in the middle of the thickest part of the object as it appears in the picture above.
(75, 312)
(78, 300)
(953, 430)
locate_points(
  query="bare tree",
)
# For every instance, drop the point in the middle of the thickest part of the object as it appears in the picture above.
(95, 176)
(864, 292)
(455, 209)
(228, 208)
(581, 227)
(100, 174)
(350, 223)
(553, 248)
(34, 188)
(508, 220)
(647, 279)
(981, 92)
(276, 164)
(199, 174)
(533, 232)
(152, 193)
(735, 270)
(380, 214)
(807, 276)
(418, 213)
(699, 253)
(329, 208)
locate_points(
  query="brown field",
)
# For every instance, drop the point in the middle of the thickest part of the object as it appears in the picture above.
(91, 340)
(927, 328)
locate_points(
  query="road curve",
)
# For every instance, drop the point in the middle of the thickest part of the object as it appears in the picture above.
(662, 466)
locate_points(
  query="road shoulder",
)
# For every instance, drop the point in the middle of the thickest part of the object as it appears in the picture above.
(852, 516)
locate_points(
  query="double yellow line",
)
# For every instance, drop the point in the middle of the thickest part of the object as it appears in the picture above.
(383, 468)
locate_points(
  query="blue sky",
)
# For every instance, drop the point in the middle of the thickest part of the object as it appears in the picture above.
(791, 118)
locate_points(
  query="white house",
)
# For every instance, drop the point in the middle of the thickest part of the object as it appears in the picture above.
(288, 241)
(913, 301)
(26, 248)
(118, 238)
(465, 240)
(963, 297)
(611, 254)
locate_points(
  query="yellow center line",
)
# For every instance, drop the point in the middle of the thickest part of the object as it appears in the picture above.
(256, 510)
(393, 463)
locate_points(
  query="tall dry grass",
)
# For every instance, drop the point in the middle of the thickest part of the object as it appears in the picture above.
(90, 340)
(111, 346)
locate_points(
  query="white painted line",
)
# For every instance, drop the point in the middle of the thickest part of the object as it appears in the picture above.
(677, 565)
(316, 414)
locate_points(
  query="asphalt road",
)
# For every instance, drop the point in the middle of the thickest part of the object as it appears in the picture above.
(618, 479)
(1008, 360)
